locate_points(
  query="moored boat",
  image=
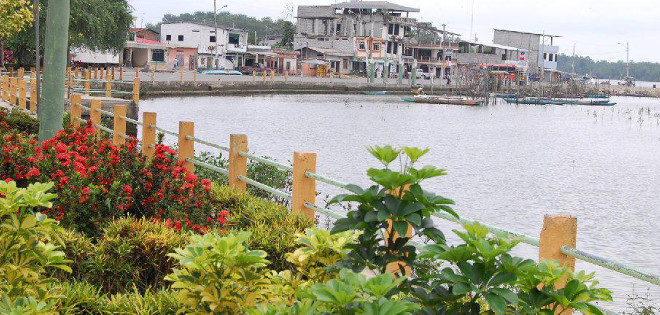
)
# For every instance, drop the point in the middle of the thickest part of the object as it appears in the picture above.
(374, 92)
(429, 99)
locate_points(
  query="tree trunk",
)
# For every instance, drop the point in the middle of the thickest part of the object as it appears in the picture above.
(55, 61)
(2, 54)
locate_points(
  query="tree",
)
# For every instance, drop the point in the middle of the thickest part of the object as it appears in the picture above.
(288, 31)
(15, 15)
(98, 25)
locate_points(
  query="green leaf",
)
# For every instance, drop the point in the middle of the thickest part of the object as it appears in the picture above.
(385, 154)
(401, 227)
(496, 303)
(414, 154)
(506, 294)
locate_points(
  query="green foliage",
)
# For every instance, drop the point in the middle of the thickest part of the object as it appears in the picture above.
(386, 210)
(20, 121)
(320, 251)
(219, 274)
(273, 228)
(15, 15)
(27, 249)
(645, 71)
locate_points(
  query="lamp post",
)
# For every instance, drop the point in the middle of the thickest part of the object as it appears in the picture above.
(627, 45)
(217, 37)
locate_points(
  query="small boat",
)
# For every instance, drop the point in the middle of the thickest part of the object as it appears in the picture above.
(374, 92)
(506, 95)
(222, 72)
(429, 99)
(530, 101)
(590, 102)
(597, 96)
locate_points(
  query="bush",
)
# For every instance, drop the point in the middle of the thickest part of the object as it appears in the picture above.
(97, 181)
(19, 120)
(273, 228)
(27, 249)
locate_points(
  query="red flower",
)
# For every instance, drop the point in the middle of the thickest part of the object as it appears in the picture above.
(33, 172)
(127, 189)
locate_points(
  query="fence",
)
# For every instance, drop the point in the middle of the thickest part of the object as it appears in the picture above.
(557, 240)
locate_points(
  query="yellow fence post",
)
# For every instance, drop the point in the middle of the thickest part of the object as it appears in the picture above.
(87, 83)
(148, 134)
(95, 114)
(186, 146)
(76, 110)
(137, 72)
(263, 75)
(21, 73)
(237, 163)
(112, 74)
(108, 89)
(181, 75)
(119, 127)
(13, 82)
(76, 72)
(286, 75)
(22, 93)
(33, 94)
(272, 75)
(121, 73)
(304, 188)
(254, 75)
(153, 74)
(558, 231)
(96, 73)
(5, 87)
(107, 73)
(194, 76)
(136, 90)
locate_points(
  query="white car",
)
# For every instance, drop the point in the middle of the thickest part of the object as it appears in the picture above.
(422, 74)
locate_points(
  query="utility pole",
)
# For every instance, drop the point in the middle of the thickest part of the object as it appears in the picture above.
(217, 36)
(573, 60)
(472, 20)
(55, 61)
(37, 51)
(541, 54)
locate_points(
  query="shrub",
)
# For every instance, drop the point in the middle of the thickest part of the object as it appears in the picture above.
(18, 120)
(219, 274)
(27, 249)
(273, 228)
(319, 252)
(97, 181)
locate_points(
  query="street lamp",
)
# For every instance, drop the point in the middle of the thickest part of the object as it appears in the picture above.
(217, 37)
(627, 45)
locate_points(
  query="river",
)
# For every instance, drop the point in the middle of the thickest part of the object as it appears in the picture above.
(508, 165)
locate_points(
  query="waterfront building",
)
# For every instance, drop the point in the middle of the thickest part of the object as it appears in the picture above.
(433, 49)
(142, 50)
(539, 49)
(196, 43)
(351, 36)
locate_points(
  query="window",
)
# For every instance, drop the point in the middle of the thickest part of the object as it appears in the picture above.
(361, 45)
(376, 46)
(168, 37)
(212, 39)
(158, 55)
(390, 29)
(545, 56)
(180, 38)
(396, 29)
(234, 39)
(550, 57)
(389, 47)
(395, 48)
(338, 28)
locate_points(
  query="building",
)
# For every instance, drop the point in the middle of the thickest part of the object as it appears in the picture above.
(539, 49)
(190, 42)
(433, 49)
(143, 33)
(353, 35)
(140, 52)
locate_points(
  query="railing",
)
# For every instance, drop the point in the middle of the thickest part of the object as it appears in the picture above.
(557, 239)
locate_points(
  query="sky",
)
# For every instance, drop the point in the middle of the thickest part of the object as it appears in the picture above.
(594, 27)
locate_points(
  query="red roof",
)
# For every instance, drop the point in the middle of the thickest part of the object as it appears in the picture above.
(147, 41)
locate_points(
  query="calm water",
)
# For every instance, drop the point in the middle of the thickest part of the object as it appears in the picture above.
(508, 165)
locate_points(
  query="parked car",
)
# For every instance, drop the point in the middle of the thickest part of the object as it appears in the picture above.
(250, 69)
(422, 74)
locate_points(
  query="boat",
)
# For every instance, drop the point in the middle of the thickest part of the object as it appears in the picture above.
(531, 101)
(374, 92)
(429, 99)
(222, 72)
(597, 96)
(506, 95)
(590, 102)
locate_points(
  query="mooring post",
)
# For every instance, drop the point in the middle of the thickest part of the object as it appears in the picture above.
(149, 134)
(237, 163)
(186, 146)
(76, 110)
(304, 188)
(119, 127)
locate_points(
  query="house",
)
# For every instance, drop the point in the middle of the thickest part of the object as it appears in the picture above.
(140, 52)
(196, 43)
(539, 48)
(144, 33)
(433, 49)
(360, 32)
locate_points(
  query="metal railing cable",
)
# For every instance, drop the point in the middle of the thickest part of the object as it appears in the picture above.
(105, 112)
(611, 265)
(326, 180)
(172, 133)
(266, 188)
(266, 161)
(208, 166)
(204, 142)
(131, 120)
(108, 130)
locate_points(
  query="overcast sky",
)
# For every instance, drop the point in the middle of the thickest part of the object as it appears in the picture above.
(594, 26)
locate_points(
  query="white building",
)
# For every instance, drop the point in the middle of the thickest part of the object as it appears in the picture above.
(224, 51)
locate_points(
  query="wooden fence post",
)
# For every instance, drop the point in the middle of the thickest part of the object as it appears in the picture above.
(137, 72)
(558, 231)
(396, 266)
(119, 127)
(148, 134)
(272, 75)
(237, 163)
(107, 73)
(153, 75)
(254, 75)
(33, 95)
(121, 73)
(22, 102)
(12, 90)
(286, 75)
(87, 84)
(136, 90)
(5, 87)
(96, 73)
(95, 114)
(76, 110)
(112, 74)
(263, 75)
(76, 72)
(21, 73)
(186, 146)
(194, 76)
(304, 188)
(108, 89)
(181, 74)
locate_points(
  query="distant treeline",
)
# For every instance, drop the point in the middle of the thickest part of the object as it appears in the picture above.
(265, 27)
(642, 71)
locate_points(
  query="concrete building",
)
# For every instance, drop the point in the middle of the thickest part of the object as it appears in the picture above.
(539, 49)
(357, 33)
(231, 44)
(433, 49)
(143, 33)
(142, 52)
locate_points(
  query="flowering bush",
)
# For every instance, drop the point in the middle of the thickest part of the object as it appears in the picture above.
(97, 181)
